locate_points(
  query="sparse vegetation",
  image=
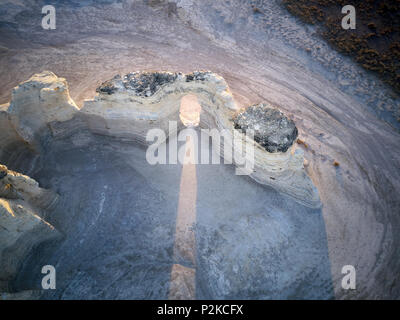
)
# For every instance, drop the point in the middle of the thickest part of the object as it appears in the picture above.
(302, 142)
(336, 164)
(256, 10)
(374, 44)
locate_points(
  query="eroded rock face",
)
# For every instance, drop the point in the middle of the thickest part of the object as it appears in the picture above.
(272, 129)
(22, 205)
(38, 101)
(128, 107)
(14, 185)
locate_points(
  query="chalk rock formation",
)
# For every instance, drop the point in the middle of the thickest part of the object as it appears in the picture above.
(40, 100)
(9, 137)
(128, 107)
(22, 202)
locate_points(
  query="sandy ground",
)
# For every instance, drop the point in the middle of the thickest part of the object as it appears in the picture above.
(253, 242)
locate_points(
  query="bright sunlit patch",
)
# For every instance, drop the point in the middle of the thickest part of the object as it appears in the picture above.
(190, 111)
(6, 206)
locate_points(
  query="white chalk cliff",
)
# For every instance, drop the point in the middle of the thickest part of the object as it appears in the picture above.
(128, 113)
(23, 205)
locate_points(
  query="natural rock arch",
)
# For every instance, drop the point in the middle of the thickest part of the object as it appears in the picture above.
(127, 108)
(128, 112)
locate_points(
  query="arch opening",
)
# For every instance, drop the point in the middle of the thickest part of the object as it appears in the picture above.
(190, 109)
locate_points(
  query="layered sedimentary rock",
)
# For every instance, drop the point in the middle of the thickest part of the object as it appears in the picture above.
(8, 135)
(22, 207)
(38, 101)
(128, 107)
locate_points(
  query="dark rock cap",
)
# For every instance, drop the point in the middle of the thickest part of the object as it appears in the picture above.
(146, 83)
(272, 129)
(197, 76)
(143, 84)
(110, 86)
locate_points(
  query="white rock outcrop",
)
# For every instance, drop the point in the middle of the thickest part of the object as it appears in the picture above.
(127, 108)
(38, 101)
(22, 203)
